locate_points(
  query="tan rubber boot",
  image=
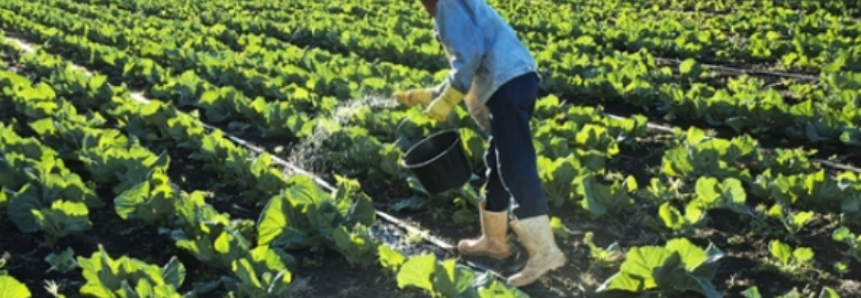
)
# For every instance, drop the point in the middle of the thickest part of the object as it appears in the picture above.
(494, 229)
(544, 255)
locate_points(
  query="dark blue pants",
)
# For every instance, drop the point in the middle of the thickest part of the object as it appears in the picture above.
(510, 157)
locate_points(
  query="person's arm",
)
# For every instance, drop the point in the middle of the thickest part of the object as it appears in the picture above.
(462, 39)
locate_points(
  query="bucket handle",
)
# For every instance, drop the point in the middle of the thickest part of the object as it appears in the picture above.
(401, 123)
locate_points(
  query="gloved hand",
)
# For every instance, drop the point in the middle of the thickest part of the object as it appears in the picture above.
(441, 106)
(414, 96)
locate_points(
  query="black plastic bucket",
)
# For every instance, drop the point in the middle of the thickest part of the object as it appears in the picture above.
(439, 162)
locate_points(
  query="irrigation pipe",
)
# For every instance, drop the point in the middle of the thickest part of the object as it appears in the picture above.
(667, 129)
(742, 70)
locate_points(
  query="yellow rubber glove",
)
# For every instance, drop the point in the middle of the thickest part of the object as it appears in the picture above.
(441, 106)
(413, 96)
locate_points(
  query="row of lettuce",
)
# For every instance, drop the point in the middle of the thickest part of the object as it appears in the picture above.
(378, 126)
(275, 84)
(764, 33)
(574, 155)
(588, 137)
(146, 195)
(250, 258)
(372, 129)
(828, 8)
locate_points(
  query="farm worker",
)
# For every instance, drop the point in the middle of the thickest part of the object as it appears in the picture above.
(493, 71)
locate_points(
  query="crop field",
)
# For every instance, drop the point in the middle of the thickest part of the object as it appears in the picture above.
(225, 148)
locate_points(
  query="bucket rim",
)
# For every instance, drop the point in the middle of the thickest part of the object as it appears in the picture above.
(456, 142)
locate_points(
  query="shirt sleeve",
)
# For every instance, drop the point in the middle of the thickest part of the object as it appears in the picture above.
(461, 37)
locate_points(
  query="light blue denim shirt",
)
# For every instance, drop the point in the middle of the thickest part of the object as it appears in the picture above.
(482, 48)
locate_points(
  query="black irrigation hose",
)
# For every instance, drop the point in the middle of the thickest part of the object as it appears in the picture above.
(667, 129)
(737, 70)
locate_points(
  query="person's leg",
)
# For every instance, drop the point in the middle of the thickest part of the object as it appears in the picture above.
(493, 214)
(517, 168)
(496, 195)
(516, 160)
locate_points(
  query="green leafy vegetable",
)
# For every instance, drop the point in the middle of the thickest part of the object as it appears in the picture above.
(127, 277)
(678, 266)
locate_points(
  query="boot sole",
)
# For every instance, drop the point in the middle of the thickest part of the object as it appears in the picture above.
(501, 256)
